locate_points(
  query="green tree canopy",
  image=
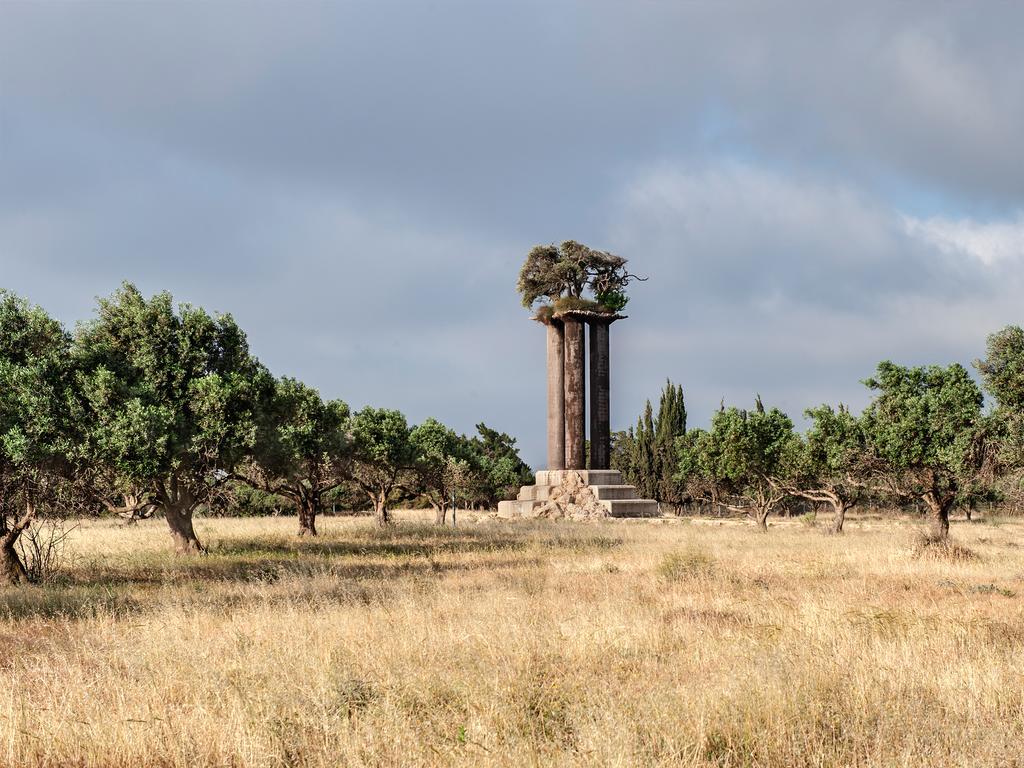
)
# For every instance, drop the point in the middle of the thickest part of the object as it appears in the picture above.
(302, 448)
(502, 471)
(551, 274)
(832, 463)
(745, 458)
(922, 426)
(37, 436)
(384, 456)
(171, 399)
(445, 462)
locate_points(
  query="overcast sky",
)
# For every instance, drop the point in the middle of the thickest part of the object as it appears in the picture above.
(811, 188)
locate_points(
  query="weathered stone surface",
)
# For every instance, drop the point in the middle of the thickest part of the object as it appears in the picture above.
(600, 396)
(578, 495)
(556, 395)
(575, 394)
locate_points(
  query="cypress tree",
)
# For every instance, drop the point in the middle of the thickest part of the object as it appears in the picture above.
(670, 425)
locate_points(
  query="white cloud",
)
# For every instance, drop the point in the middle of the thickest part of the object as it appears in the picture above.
(797, 287)
(990, 243)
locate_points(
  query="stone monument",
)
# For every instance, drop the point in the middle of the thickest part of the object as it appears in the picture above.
(568, 487)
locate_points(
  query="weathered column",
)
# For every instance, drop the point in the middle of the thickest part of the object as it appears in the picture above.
(575, 394)
(556, 395)
(600, 392)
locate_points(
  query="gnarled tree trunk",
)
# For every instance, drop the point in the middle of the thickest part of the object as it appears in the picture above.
(381, 511)
(761, 514)
(307, 508)
(441, 513)
(12, 570)
(179, 520)
(840, 508)
(938, 509)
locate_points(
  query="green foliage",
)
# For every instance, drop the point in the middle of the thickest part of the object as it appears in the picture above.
(613, 300)
(831, 463)
(646, 455)
(1002, 370)
(445, 462)
(502, 471)
(744, 460)
(668, 428)
(1002, 373)
(922, 427)
(36, 423)
(923, 418)
(382, 452)
(169, 398)
(559, 275)
(302, 447)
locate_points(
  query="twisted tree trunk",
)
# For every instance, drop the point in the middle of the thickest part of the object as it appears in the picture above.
(440, 512)
(12, 570)
(308, 507)
(938, 509)
(762, 518)
(179, 521)
(178, 502)
(380, 509)
(840, 507)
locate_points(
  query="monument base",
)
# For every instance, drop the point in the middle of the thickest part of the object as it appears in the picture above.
(579, 494)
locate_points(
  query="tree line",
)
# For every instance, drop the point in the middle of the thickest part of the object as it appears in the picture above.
(156, 407)
(926, 437)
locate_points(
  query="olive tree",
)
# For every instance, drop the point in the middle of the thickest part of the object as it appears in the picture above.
(831, 464)
(1002, 374)
(36, 425)
(922, 427)
(444, 462)
(742, 462)
(302, 449)
(568, 270)
(383, 457)
(171, 398)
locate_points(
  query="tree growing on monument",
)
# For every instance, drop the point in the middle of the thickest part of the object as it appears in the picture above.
(36, 429)
(558, 278)
(170, 402)
(925, 429)
(302, 449)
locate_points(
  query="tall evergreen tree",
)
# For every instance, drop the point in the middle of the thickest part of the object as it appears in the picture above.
(669, 427)
(644, 469)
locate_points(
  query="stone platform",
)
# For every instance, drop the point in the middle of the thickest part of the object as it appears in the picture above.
(580, 494)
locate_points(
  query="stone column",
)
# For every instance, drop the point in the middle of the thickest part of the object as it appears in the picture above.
(556, 395)
(575, 394)
(600, 393)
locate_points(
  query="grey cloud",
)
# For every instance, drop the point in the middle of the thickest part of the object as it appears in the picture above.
(358, 183)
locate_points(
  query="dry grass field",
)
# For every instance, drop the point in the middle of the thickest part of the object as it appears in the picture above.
(615, 644)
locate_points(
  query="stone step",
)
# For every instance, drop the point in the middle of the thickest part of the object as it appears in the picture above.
(513, 509)
(632, 507)
(590, 476)
(535, 492)
(603, 492)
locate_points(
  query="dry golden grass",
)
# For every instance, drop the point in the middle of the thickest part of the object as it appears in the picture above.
(612, 644)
